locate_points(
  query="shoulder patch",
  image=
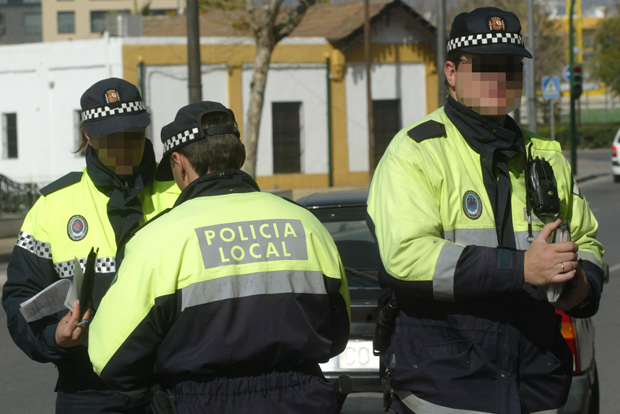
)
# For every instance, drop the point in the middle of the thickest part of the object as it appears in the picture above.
(426, 130)
(62, 182)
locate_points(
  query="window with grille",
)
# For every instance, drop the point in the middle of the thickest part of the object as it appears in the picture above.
(9, 136)
(286, 119)
(66, 22)
(386, 114)
(32, 23)
(97, 21)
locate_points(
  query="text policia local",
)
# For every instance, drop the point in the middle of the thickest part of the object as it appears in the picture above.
(252, 241)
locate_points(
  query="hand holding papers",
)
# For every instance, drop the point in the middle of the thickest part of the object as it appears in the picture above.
(63, 294)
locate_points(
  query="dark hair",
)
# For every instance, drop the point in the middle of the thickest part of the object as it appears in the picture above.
(84, 142)
(454, 57)
(216, 152)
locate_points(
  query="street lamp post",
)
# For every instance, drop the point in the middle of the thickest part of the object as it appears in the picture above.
(193, 52)
(573, 123)
(531, 99)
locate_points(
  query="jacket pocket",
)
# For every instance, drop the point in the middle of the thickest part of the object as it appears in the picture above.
(456, 349)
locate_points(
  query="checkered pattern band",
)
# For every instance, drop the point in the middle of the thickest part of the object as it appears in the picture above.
(28, 242)
(102, 265)
(484, 39)
(181, 138)
(104, 111)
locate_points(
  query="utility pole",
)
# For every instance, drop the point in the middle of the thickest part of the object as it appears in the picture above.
(193, 52)
(531, 80)
(441, 49)
(371, 120)
(571, 60)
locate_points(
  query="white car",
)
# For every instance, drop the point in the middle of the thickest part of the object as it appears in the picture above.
(615, 160)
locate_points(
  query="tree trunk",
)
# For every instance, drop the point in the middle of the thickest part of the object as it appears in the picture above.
(264, 47)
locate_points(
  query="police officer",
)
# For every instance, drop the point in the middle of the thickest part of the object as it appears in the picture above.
(243, 295)
(476, 332)
(98, 207)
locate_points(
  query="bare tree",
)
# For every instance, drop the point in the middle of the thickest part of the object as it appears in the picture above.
(269, 24)
(268, 31)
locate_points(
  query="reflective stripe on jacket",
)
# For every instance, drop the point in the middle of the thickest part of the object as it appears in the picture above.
(63, 225)
(471, 335)
(237, 283)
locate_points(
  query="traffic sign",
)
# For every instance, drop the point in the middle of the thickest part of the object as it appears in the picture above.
(551, 87)
(566, 73)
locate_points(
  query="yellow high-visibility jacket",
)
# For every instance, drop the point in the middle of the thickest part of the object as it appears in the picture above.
(471, 335)
(230, 282)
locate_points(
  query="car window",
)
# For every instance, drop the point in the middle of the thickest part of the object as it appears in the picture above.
(358, 252)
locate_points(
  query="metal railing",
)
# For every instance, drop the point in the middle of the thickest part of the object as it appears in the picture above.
(16, 198)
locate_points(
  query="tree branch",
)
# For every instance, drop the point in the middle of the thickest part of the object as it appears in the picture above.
(289, 22)
(251, 16)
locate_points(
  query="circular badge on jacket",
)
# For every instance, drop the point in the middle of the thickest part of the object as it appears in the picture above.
(472, 206)
(77, 228)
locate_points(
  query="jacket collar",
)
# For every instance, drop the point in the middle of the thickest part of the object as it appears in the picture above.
(106, 181)
(220, 182)
(483, 135)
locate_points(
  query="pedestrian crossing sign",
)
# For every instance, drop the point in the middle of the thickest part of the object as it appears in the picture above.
(551, 87)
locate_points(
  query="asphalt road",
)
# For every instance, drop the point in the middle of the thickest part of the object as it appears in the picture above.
(603, 197)
(26, 387)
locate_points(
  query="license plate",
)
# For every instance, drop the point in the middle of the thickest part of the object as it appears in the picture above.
(358, 355)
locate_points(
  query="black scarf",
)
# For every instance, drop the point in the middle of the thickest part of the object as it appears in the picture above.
(497, 145)
(124, 208)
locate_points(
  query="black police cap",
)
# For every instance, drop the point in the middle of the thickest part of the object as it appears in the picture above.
(113, 105)
(487, 31)
(187, 129)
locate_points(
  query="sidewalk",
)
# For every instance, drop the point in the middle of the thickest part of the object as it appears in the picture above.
(6, 247)
(588, 168)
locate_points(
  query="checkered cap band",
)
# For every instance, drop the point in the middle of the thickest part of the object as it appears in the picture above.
(34, 246)
(103, 111)
(102, 265)
(485, 39)
(181, 138)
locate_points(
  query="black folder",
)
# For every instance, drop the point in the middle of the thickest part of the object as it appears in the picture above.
(86, 292)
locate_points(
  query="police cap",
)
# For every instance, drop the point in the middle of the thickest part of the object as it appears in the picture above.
(487, 31)
(112, 105)
(187, 129)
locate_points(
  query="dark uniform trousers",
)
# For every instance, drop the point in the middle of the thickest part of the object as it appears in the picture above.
(274, 393)
(99, 402)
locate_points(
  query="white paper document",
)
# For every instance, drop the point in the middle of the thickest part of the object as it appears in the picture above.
(54, 298)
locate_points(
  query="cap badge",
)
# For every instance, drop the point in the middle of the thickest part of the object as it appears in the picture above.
(77, 228)
(472, 206)
(112, 96)
(496, 23)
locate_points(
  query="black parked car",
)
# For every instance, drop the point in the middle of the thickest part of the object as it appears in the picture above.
(344, 214)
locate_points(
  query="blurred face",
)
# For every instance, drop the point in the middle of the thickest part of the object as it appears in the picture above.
(490, 85)
(120, 152)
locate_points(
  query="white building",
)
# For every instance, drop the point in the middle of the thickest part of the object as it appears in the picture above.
(315, 96)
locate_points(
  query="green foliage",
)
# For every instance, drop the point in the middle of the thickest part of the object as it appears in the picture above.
(589, 136)
(607, 60)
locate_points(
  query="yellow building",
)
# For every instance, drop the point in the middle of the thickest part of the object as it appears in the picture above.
(85, 19)
(585, 34)
(314, 123)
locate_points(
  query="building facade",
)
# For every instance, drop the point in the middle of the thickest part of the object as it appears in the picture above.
(20, 21)
(313, 131)
(86, 19)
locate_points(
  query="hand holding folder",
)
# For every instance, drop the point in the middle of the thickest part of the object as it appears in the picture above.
(63, 293)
